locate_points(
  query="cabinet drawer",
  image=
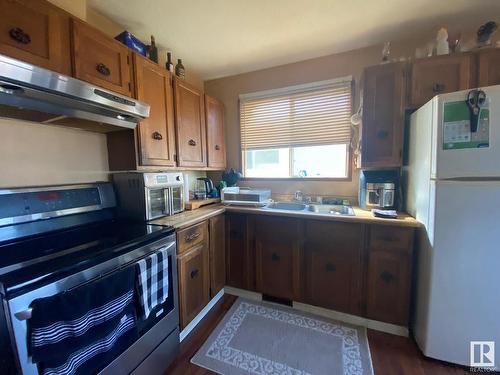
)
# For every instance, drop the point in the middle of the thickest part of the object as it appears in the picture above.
(391, 238)
(192, 236)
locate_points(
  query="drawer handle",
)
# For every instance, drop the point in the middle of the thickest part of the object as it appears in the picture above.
(217, 147)
(103, 69)
(193, 236)
(275, 257)
(192, 142)
(387, 277)
(19, 35)
(157, 136)
(438, 87)
(330, 267)
(194, 273)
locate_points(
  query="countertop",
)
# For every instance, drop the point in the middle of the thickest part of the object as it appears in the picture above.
(188, 218)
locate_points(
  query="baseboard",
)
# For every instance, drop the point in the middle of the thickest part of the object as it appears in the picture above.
(193, 323)
(327, 313)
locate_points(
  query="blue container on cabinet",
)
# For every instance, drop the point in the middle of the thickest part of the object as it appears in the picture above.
(132, 42)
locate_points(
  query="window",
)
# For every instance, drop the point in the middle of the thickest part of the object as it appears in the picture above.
(300, 131)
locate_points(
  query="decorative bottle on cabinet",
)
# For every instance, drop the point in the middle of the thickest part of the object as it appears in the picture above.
(153, 50)
(169, 64)
(179, 69)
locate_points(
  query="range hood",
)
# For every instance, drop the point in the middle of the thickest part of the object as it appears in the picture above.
(31, 93)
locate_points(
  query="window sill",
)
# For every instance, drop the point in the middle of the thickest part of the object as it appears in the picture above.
(303, 179)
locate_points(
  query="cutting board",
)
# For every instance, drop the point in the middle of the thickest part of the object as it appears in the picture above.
(197, 203)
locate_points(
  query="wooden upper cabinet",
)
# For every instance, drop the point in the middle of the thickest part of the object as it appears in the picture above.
(489, 67)
(216, 144)
(156, 134)
(35, 32)
(440, 75)
(383, 115)
(333, 265)
(278, 257)
(190, 125)
(99, 59)
(217, 254)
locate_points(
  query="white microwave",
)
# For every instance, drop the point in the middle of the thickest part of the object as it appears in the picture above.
(149, 196)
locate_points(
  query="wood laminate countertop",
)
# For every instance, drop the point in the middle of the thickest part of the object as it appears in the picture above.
(188, 218)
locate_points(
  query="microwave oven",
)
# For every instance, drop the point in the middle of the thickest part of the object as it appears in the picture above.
(148, 196)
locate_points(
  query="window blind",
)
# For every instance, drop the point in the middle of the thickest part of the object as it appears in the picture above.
(305, 115)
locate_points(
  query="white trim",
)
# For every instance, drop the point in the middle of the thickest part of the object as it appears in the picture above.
(327, 313)
(193, 323)
(295, 88)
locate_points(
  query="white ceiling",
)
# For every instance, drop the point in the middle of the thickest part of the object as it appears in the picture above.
(218, 38)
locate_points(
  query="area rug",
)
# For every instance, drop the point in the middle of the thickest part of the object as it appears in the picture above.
(263, 338)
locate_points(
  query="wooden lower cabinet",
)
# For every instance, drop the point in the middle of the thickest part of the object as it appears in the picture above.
(389, 274)
(217, 254)
(239, 255)
(277, 257)
(194, 282)
(333, 274)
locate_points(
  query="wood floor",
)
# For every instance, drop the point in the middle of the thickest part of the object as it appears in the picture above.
(391, 355)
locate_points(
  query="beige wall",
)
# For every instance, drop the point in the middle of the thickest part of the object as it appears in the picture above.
(338, 65)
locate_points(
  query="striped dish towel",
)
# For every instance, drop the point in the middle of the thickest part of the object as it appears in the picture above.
(152, 281)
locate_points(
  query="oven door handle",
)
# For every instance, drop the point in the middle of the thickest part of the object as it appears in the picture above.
(24, 314)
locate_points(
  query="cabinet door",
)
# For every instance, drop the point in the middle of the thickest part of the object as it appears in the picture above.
(277, 252)
(36, 32)
(100, 60)
(489, 67)
(389, 274)
(440, 75)
(194, 282)
(239, 260)
(190, 125)
(216, 144)
(383, 116)
(156, 134)
(217, 254)
(333, 259)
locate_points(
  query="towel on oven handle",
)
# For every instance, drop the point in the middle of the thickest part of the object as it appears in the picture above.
(152, 282)
(82, 330)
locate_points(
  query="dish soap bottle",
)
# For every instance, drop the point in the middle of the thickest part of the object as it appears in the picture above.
(153, 50)
(179, 69)
(169, 64)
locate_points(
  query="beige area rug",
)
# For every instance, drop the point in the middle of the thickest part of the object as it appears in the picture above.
(264, 338)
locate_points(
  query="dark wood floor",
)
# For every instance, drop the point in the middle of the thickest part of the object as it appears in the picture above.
(391, 355)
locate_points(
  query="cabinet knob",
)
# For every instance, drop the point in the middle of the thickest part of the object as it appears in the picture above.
(19, 35)
(330, 267)
(438, 87)
(103, 69)
(382, 134)
(387, 277)
(157, 136)
(192, 142)
(217, 147)
(194, 273)
(275, 257)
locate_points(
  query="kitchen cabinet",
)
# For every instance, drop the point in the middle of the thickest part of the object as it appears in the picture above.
(194, 283)
(384, 88)
(216, 144)
(156, 134)
(36, 32)
(488, 67)
(240, 259)
(217, 254)
(389, 274)
(440, 75)
(333, 265)
(190, 125)
(278, 257)
(99, 59)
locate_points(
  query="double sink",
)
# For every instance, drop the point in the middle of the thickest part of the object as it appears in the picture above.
(325, 209)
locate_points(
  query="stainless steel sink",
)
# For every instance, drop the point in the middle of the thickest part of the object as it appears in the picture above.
(331, 209)
(290, 206)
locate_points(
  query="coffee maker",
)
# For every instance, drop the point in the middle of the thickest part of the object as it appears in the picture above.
(379, 189)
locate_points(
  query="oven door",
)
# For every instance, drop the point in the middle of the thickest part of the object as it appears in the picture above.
(162, 321)
(157, 202)
(176, 199)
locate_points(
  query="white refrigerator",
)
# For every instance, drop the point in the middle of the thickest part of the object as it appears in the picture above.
(453, 188)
